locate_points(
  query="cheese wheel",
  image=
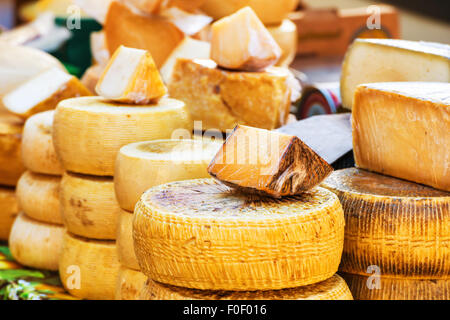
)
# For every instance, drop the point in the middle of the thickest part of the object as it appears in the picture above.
(201, 234)
(399, 226)
(125, 246)
(89, 132)
(11, 167)
(129, 284)
(36, 244)
(88, 268)
(333, 288)
(8, 211)
(38, 153)
(397, 288)
(142, 165)
(285, 34)
(88, 206)
(38, 197)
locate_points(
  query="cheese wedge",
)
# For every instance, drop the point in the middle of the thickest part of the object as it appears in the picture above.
(399, 226)
(402, 129)
(152, 33)
(89, 132)
(268, 163)
(190, 23)
(36, 244)
(397, 288)
(131, 77)
(89, 268)
(253, 47)
(100, 53)
(8, 211)
(285, 34)
(91, 76)
(38, 197)
(38, 152)
(96, 9)
(142, 165)
(125, 246)
(11, 167)
(129, 284)
(43, 92)
(200, 234)
(88, 206)
(385, 60)
(221, 99)
(333, 288)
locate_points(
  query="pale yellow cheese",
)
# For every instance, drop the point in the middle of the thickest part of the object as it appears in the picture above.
(11, 167)
(129, 284)
(91, 76)
(285, 34)
(8, 211)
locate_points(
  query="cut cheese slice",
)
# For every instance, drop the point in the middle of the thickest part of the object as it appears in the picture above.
(8, 211)
(268, 163)
(221, 99)
(96, 9)
(285, 34)
(241, 42)
(11, 167)
(89, 132)
(396, 225)
(131, 77)
(142, 165)
(88, 206)
(402, 129)
(89, 268)
(43, 92)
(385, 60)
(38, 197)
(200, 234)
(129, 284)
(36, 244)
(100, 53)
(38, 152)
(333, 288)
(91, 76)
(125, 246)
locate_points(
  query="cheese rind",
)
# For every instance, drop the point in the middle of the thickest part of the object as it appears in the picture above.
(8, 211)
(11, 166)
(402, 129)
(129, 284)
(125, 246)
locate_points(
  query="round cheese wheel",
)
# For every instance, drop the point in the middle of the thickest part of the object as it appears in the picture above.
(88, 132)
(11, 166)
(285, 34)
(201, 234)
(38, 197)
(8, 211)
(125, 246)
(129, 284)
(36, 244)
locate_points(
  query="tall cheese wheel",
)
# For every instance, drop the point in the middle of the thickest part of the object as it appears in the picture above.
(333, 288)
(11, 166)
(38, 153)
(88, 268)
(38, 197)
(89, 132)
(399, 226)
(285, 34)
(8, 211)
(125, 246)
(89, 207)
(397, 288)
(143, 165)
(129, 284)
(201, 234)
(36, 244)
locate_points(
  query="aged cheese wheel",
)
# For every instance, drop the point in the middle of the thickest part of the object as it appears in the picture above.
(285, 34)
(89, 132)
(401, 227)
(88, 268)
(125, 245)
(38, 197)
(8, 211)
(88, 206)
(397, 288)
(11, 166)
(36, 244)
(200, 234)
(129, 284)
(333, 288)
(38, 152)
(142, 165)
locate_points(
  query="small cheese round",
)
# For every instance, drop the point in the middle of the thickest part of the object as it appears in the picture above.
(11, 167)
(129, 284)
(8, 211)
(125, 246)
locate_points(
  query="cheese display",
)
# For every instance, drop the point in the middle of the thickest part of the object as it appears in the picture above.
(399, 226)
(8, 211)
(88, 206)
(129, 284)
(38, 152)
(285, 34)
(268, 163)
(253, 47)
(222, 98)
(11, 167)
(89, 132)
(38, 197)
(88, 268)
(402, 129)
(386, 60)
(125, 246)
(36, 244)
(249, 242)
(142, 165)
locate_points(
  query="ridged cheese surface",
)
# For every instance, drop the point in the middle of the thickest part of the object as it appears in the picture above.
(8, 211)
(11, 167)
(129, 284)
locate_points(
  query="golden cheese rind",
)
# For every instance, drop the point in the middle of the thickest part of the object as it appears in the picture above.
(125, 246)
(11, 166)
(129, 284)
(8, 211)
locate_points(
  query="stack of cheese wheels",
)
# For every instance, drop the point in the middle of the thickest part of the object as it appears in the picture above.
(36, 235)
(140, 166)
(396, 236)
(199, 239)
